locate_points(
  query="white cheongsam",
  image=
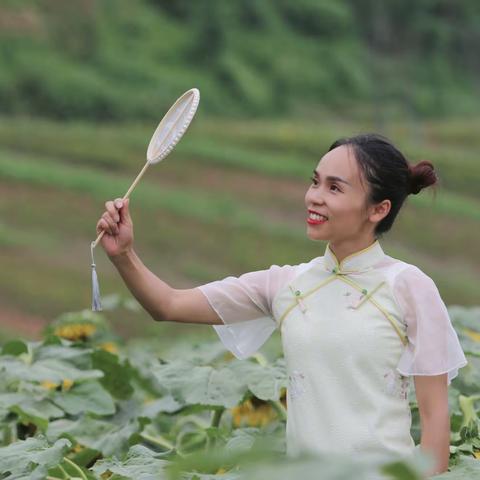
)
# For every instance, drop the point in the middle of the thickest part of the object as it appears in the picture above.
(352, 333)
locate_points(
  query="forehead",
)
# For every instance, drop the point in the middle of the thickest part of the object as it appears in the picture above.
(340, 162)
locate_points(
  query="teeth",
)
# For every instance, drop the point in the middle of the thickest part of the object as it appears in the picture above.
(315, 216)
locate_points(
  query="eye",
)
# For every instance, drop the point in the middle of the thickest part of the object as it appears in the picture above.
(315, 182)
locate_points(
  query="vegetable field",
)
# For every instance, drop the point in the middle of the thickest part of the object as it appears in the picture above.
(82, 404)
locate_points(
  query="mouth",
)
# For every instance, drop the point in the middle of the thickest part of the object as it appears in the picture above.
(316, 218)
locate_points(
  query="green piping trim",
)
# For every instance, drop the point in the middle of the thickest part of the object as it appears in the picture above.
(369, 297)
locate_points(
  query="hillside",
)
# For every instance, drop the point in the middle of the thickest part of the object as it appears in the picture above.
(125, 60)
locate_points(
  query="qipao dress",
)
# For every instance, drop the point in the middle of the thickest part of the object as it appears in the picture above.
(353, 333)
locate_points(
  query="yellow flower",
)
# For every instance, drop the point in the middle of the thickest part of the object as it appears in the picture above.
(475, 336)
(67, 384)
(228, 356)
(253, 415)
(78, 448)
(220, 471)
(477, 454)
(109, 347)
(76, 331)
(48, 385)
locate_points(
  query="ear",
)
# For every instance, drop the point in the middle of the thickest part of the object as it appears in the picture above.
(379, 211)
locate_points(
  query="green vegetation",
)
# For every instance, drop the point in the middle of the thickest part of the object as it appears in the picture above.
(122, 60)
(80, 403)
(82, 85)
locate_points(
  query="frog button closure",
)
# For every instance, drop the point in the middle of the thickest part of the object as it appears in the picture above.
(298, 298)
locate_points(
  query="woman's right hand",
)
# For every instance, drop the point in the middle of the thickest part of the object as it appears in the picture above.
(118, 226)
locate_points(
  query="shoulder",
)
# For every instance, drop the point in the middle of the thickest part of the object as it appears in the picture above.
(416, 291)
(286, 273)
(303, 267)
(409, 284)
(401, 273)
(412, 277)
(281, 276)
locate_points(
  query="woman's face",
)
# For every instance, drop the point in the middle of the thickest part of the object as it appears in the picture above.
(342, 200)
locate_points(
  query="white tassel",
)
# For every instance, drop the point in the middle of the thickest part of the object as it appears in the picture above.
(96, 304)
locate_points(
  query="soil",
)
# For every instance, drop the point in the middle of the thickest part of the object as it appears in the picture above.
(19, 324)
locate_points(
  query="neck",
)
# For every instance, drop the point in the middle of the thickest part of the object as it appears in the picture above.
(342, 249)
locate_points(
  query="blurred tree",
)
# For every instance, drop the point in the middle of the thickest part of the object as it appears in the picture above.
(117, 58)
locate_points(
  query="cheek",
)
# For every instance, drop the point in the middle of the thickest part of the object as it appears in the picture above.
(346, 207)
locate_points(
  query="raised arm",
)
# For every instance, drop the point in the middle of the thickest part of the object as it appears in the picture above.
(161, 301)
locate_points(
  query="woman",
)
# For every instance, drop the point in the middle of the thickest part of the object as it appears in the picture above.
(355, 323)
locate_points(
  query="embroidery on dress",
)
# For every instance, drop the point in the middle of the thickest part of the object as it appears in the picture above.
(396, 384)
(352, 299)
(296, 384)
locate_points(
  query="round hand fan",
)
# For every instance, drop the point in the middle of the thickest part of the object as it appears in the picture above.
(168, 133)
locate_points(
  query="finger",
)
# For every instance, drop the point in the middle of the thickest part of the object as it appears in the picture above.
(122, 205)
(112, 226)
(112, 210)
(102, 226)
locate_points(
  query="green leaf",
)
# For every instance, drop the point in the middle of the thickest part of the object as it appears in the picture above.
(140, 463)
(14, 347)
(85, 397)
(44, 370)
(77, 355)
(204, 385)
(37, 413)
(265, 382)
(31, 458)
(110, 436)
(166, 404)
(117, 376)
(29, 409)
(224, 385)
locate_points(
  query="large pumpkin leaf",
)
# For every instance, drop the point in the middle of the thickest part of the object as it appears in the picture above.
(50, 369)
(224, 385)
(204, 385)
(29, 409)
(14, 347)
(117, 376)
(110, 436)
(140, 463)
(77, 355)
(265, 382)
(85, 397)
(30, 459)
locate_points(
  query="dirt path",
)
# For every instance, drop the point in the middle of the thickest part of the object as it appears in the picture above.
(16, 323)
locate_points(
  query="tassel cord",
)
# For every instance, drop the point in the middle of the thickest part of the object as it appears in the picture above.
(96, 303)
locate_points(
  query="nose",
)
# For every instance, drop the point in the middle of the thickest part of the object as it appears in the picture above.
(313, 198)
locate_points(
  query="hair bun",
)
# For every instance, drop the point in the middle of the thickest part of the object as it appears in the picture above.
(422, 175)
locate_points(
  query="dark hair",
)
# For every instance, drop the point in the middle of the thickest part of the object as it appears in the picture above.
(388, 173)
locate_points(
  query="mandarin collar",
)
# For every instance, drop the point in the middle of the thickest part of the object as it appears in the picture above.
(361, 261)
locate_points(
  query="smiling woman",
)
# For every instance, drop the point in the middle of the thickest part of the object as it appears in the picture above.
(359, 185)
(355, 323)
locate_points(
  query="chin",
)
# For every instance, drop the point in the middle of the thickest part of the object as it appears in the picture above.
(317, 236)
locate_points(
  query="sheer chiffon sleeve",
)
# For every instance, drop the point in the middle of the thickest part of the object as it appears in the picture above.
(244, 304)
(433, 347)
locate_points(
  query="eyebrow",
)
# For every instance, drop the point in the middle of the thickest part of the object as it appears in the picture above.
(333, 178)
